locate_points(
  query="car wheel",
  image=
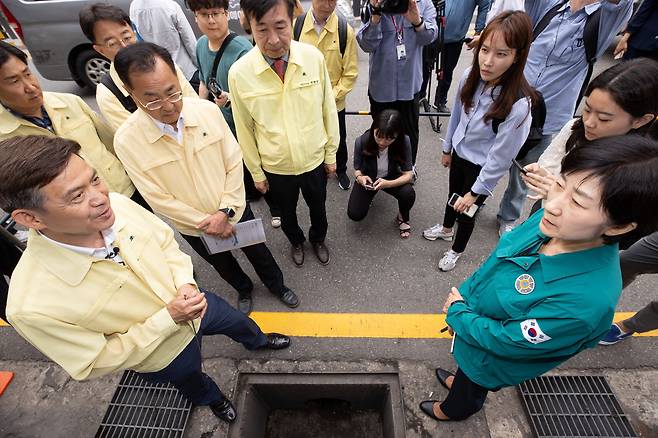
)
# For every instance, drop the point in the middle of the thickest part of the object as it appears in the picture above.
(90, 67)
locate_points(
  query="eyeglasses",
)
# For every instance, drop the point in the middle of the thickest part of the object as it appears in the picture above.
(206, 16)
(123, 42)
(157, 104)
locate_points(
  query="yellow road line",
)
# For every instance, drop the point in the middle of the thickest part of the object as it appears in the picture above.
(363, 325)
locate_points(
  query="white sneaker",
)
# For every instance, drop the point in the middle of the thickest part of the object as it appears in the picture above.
(436, 232)
(505, 227)
(448, 261)
(276, 222)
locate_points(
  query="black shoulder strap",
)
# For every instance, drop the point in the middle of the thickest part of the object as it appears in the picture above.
(299, 24)
(127, 101)
(541, 24)
(342, 33)
(590, 41)
(219, 54)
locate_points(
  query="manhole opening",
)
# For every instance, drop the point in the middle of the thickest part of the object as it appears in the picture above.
(319, 405)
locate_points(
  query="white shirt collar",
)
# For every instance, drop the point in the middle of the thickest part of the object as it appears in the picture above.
(166, 129)
(109, 236)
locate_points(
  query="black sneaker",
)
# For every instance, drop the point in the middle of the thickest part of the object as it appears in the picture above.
(344, 181)
(442, 108)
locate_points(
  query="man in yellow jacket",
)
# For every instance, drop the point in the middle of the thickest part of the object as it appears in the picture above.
(27, 110)
(109, 28)
(103, 286)
(323, 28)
(182, 156)
(285, 117)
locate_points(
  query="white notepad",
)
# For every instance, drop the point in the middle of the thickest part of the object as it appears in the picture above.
(246, 234)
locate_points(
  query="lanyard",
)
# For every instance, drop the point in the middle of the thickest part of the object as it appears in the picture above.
(398, 31)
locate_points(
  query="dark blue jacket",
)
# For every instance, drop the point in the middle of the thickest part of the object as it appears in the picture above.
(644, 27)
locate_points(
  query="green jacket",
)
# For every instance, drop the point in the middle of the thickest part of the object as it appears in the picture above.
(524, 313)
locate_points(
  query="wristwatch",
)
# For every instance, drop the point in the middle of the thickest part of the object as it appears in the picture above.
(416, 26)
(228, 211)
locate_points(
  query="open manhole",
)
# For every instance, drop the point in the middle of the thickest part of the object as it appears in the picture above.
(574, 406)
(319, 406)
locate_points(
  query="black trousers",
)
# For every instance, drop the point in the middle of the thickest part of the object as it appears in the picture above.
(463, 174)
(285, 190)
(464, 399)
(451, 52)
(253, 194)
(341, 153)
(410, 112)
(229, 269)
(185, 371)
(360, 198)
(139, 199)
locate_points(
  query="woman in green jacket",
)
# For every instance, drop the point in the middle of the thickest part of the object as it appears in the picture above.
(549, 290)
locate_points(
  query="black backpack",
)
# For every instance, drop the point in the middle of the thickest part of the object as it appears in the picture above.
(342, 30)
(127, 101)
(538, 112)
(590, 39)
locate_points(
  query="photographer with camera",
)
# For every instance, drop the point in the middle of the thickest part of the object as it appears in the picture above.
(394, 33)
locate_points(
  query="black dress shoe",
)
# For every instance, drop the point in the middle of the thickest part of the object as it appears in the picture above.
(276, 341)
(289, 298)
(297, 253)
(427, 407)
(245, 304)
(224, 410)
(442, 375)
(321, 252)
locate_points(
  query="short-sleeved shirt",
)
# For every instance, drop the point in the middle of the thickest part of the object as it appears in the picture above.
(206, 57)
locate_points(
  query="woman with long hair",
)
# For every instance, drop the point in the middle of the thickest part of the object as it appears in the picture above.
(382, 161)
(478, 155)
(621, 100)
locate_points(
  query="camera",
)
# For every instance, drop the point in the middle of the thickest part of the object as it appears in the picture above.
(394, 7)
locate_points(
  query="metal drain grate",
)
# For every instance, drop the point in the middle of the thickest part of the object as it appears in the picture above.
(140, 409)
(574, 406)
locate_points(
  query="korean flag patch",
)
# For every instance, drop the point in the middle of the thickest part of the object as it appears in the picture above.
(532, 333)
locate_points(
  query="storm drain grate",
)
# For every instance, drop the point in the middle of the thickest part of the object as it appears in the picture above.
(574, 406)
(140, 409)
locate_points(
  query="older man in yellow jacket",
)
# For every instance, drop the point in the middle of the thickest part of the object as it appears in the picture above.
(182, 156)
(26, 110)
(285, 117)
(103, 285)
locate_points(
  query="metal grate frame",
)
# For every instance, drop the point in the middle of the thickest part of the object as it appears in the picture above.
(574, 406)
(140, 409)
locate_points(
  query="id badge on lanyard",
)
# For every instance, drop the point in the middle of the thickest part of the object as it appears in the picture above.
(399, 33)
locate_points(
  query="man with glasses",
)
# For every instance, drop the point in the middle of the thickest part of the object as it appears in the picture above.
(216, 51)
(109, 29)
(187, 164)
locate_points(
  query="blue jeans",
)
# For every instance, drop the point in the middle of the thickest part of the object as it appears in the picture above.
(515, 194)
(185, 372)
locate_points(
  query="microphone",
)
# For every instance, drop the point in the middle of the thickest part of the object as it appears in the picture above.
(114, 253)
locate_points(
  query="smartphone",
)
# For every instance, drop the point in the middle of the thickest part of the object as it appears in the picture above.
(470, 212)
(467, 40)
(518, 165)
(214, 88)
(453, 199)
